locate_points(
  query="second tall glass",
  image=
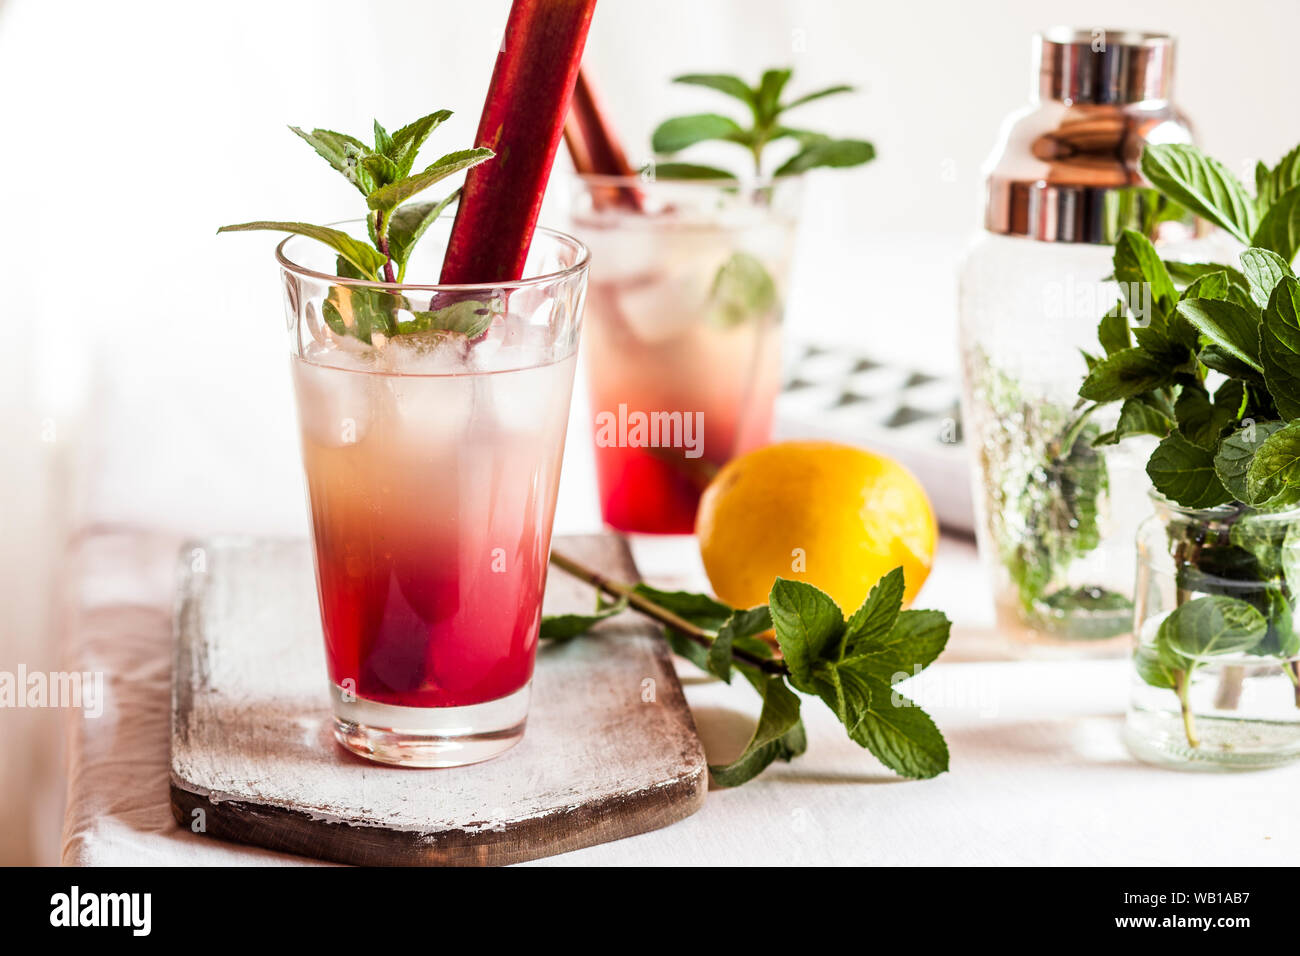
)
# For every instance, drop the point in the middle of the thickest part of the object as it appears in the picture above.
(683, 334)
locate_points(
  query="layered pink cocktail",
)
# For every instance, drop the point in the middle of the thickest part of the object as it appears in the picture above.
(432, 461)
(683, 324)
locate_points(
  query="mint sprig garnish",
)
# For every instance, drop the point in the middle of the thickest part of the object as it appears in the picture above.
(852, 665)
(383, 174)
(766, 114)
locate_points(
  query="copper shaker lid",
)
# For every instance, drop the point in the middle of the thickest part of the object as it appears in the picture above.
(1066, 169)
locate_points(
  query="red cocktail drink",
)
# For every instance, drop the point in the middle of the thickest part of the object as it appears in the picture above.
(683, 336)
(432, 463)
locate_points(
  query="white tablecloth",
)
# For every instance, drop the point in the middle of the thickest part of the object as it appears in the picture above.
(1039, 775)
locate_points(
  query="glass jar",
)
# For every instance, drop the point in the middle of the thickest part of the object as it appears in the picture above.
(1216, 677)
(1055, 505)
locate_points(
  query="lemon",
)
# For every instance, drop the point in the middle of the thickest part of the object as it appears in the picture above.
(832, 515)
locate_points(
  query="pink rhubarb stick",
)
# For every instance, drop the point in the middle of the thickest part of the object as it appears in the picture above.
(522, 122)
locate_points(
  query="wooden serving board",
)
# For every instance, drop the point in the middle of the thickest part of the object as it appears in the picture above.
(610, 749)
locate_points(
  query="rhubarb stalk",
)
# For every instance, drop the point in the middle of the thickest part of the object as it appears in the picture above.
(522, 122)
(594, 146)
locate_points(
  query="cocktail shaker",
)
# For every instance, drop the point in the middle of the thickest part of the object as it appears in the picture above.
(1056, 516)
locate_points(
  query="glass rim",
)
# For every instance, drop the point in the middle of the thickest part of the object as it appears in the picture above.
(1068, 36)
(1223, 510)
(637, 181)
(580, 265)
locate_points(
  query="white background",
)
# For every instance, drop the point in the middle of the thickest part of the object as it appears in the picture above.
(140, 344)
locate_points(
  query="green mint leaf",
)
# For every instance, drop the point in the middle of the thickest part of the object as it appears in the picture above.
(408, 140)
(1270, 184)
(768, 95)
(1156, 668)
(346, 270)
(1263, 269)
(333, 318)
(1212, 626)
(731, 85)
(383, 142)
(1216, 358)
(1199, 420)
(382, 170)
(1140, 271)
(409, 223)
(340, 151)
(897, 732)
(740, 625)
(1273, 476)
(1236, 452)
(1280, 346)
(816, 95)
(565, 627)
(719, 655)
(395, 194)
(1227, 325)
(1279, 230)
(1184, 473)
(807, 624)
(1112, 331)
(1212, 285)
(742, 290)
(699, 609)
(837, 153)
(690, 171)
(876, 617)
(1172, 342)
(362, 312)
(1281, 639)
(848, 693)
(778, 735)
(1263, 539)
(912, 643)
(683, 131)
(368, 260)
(1203, 185)
(1234, 397)
(468, 317)
(1143, 415)
(1125, 374)
(684, 647)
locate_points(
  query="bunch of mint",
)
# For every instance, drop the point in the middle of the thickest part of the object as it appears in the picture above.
(766, 112)
(1210, 365)
(853, 665)
(383, 175)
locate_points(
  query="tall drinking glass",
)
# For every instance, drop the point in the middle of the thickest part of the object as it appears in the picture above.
(432, 461)
(683, 337)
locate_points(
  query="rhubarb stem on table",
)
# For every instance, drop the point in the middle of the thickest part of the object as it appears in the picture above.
(659, 613)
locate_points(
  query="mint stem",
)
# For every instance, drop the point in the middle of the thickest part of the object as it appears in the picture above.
(661, 614)
(381, 243)
(1183, 680)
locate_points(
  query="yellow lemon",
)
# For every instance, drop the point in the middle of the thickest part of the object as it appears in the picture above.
(835, 516)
